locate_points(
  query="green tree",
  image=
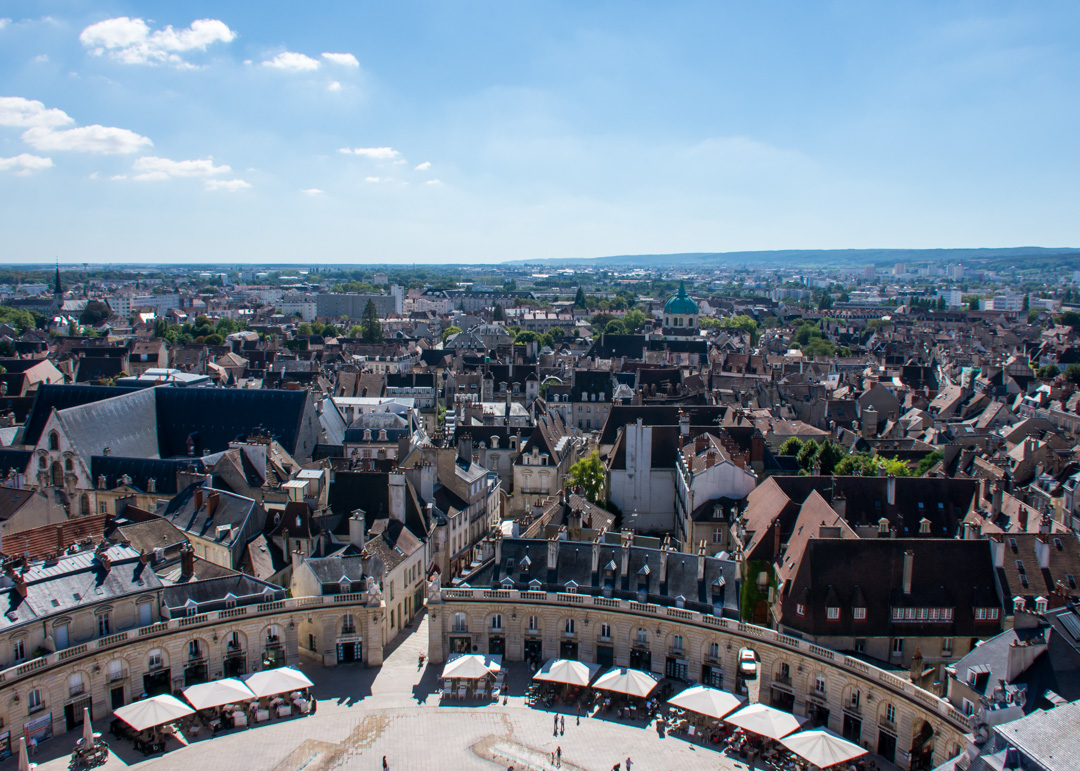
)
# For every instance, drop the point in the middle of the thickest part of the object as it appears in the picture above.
(372, 329)
(331, 330)
(633, 321)
(1027, 303)
(95, 313)
(589, 473)
(161, 328)
(20, 318)
(305, 329)
(214, 339)
(928, 462)
(579, 299)
(791, 446)
(1072, 374)
(498, 314)
(1048, 371)
(356, 331)
(614, 327)
(450, 332)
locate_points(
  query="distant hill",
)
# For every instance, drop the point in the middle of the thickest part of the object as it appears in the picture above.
(1021, 257)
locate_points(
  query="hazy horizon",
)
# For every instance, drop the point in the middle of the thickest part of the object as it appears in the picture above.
(347, 133)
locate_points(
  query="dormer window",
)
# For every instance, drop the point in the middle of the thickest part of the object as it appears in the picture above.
(525, 562)
(859, 614)
(833, 614)
(571, 587)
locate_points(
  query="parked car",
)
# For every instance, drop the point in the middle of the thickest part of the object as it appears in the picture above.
(748, 664)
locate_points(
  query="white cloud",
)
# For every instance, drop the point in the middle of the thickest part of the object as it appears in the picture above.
(228, 185)
(30, 113)
(87, 139)
(41, 58)
(313, 192)
(374, 153)
(371, 179)
(153, 168)
(433, 182)
(345, 60)
(130, 40)
(333, 86)
(4, 23)
(424, 166)
(292, 62)
(118, 177)
(24, 163)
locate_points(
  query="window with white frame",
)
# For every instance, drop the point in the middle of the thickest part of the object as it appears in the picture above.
(677, 643)
(570, 627)
(461, 623)
(819, 683)
(104, 625)
(946, 646)
(890, 713)
(34, 701)
(534, 623)
(714, 651)
(642, 637)
(832, 613)
(854, 699)
(605, 632)
(898, 646)
(800, 609)
(496, 622)
(18, 650)
(859, 614)
(155, 659)
(718, 535)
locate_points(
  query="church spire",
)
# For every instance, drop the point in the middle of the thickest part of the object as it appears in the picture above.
(58, 290)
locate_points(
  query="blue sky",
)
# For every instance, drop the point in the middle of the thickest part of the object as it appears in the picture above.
(483, 131)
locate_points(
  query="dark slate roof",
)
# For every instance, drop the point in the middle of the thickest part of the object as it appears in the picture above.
(218, 416)
(644, 571)
(1021, 575)
(329, 570)
(61, 397)
(142, 469)
(211, 594)
(659, 415)
(16, 460)
(946, 573)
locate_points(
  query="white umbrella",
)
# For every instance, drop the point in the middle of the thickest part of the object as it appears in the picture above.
(157, 710)
(822, 748)
(632, 682)
(271, 682)
(707, 701)
(24, 759)
(567, 671)
(764, 720)
(470, 666)
(87, 728)
(217, 693)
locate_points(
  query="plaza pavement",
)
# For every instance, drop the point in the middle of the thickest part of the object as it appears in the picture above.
(364, 714)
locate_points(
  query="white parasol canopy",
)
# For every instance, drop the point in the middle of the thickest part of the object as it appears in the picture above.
(24, 759)
(764, 720)
(271, 682)
(632, 682)
(87, 728)
(707, 701)
(470, 666)
(217, 693)
(155, 711)
(567, 671)
(822, 748)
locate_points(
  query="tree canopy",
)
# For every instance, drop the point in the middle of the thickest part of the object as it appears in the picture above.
(589, 474)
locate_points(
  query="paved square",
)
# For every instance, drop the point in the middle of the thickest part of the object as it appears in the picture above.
(364, 714)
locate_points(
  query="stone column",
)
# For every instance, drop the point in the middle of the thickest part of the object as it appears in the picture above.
(292, 643)
(373, 636)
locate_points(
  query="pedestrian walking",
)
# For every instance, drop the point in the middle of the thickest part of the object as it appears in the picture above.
(33, 745)
(556, 718)
(578, 711)
(558, 757)
(628, 762)
(562, 724)
(385, 765)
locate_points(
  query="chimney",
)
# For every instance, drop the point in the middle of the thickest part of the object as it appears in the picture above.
(839, 504)
(890, 490)
(356, 529)
(710, 458)
(187, 562)
(1022, 516)
(997, 548)
(297, 558)
(596, 556)
(496, 538)
(909, 562)
(701, 562)
(684, 423)
(553, 552)
(20, 583)
(1042, 551)
(211, 503)
(663, 563)
(627, 542)
(995, 500)
(465, 448)
(397, 497)
(59, 539)
(197, 498)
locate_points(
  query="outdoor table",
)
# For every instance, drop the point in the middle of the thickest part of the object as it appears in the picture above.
(284, 710)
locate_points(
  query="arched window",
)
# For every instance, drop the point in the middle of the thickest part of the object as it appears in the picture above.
(348, 625)
(155, 659)
(41, 462)
(642, 637)
(54, 440)
(571, 627)
(68, 465)
(461, 623)
(496, 622)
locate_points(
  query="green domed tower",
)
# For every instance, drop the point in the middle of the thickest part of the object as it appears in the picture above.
(681, 315)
